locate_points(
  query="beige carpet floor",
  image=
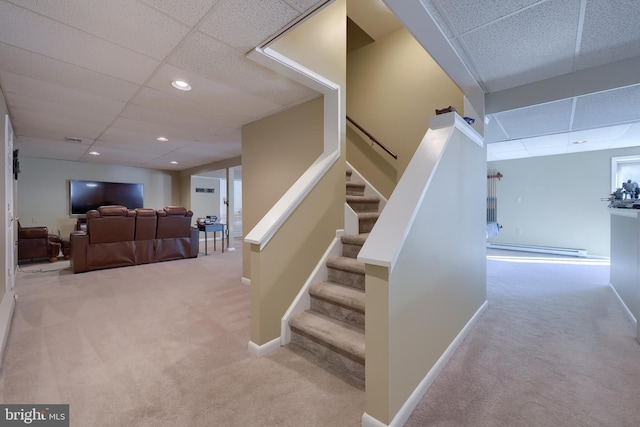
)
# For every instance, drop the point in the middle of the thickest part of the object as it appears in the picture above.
(159, 345)
(553, 348)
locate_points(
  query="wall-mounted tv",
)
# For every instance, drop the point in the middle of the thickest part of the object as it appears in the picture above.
(87, 195)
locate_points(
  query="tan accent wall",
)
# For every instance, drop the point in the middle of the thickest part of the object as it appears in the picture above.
(393, 87)
(275, 152)
(282, 267)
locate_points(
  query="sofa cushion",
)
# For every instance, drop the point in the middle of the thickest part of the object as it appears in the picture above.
(146, 220)
(110, 224)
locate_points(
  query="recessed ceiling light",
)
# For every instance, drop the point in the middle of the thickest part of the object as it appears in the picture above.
(162, 139)
(94, 153)
(173, 162)
(180, 84)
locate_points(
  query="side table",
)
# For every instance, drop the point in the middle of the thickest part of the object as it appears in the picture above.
(215, 227)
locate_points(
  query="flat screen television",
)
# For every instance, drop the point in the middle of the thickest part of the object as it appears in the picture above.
(87, 195)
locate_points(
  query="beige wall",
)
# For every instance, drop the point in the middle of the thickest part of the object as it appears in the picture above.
(203, 204)
(393, 87)
(275, 152)
(557, 200)
(43, 189)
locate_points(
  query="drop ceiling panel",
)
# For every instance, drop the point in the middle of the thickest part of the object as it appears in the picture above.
(187, 12)
(182, 105)
(208, 91)
(606, 108)
(550, 118)
(212, 59)
(243, 24)
(604, 134)
(465, 15)
(304, 5)
(52, 38)
(158, 123)
(56, 113)
(493, 131)
(508, 155)
(42, 148)
(502, 147)
(140, 140)
(556, 140)
(542, 50)
(633, 131)
(127, 23)
(613, 32)
(44, 120)
(31, 88)
(589, 146)
(40, 67)
(546, 151)
(228, 149)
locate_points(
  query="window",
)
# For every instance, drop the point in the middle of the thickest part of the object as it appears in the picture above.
(624, 168)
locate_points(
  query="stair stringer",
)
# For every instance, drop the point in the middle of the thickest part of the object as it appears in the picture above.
(369, 190)
(302, 301)
(351, 220)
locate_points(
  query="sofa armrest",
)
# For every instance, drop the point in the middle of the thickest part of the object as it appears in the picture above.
(195, 242)
(79, 243)
(33, 233)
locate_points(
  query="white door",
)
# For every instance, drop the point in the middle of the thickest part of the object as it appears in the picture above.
(8, 201)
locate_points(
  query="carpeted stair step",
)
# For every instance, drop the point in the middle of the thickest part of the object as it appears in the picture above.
(352, 243)
(338, 302)
(346, 271)
(349, 173)
(355, 189)
(367, 220)
(330, 341)
(363, 203)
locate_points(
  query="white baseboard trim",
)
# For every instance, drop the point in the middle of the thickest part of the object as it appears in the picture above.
(6, 314)
(369, 421)
(245, 281)
(410, 404)
(264, 349)
(302, 301)
(624, 307)
(581, 253)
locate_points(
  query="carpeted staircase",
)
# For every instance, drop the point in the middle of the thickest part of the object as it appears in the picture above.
(332, 330)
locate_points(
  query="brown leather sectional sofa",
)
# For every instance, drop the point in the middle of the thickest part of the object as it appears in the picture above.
(117, 237)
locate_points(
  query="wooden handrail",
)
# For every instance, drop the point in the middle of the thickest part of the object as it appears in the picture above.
(372, 138)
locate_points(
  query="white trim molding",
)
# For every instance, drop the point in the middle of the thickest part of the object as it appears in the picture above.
(278, 214)
(264, 349)
(624, 307)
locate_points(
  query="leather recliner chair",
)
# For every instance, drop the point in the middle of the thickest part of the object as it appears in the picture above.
(36, 243)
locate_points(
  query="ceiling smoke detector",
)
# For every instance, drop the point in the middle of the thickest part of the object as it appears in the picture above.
(73, 139)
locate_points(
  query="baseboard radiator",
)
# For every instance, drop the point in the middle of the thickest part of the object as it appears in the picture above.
(582, 253)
